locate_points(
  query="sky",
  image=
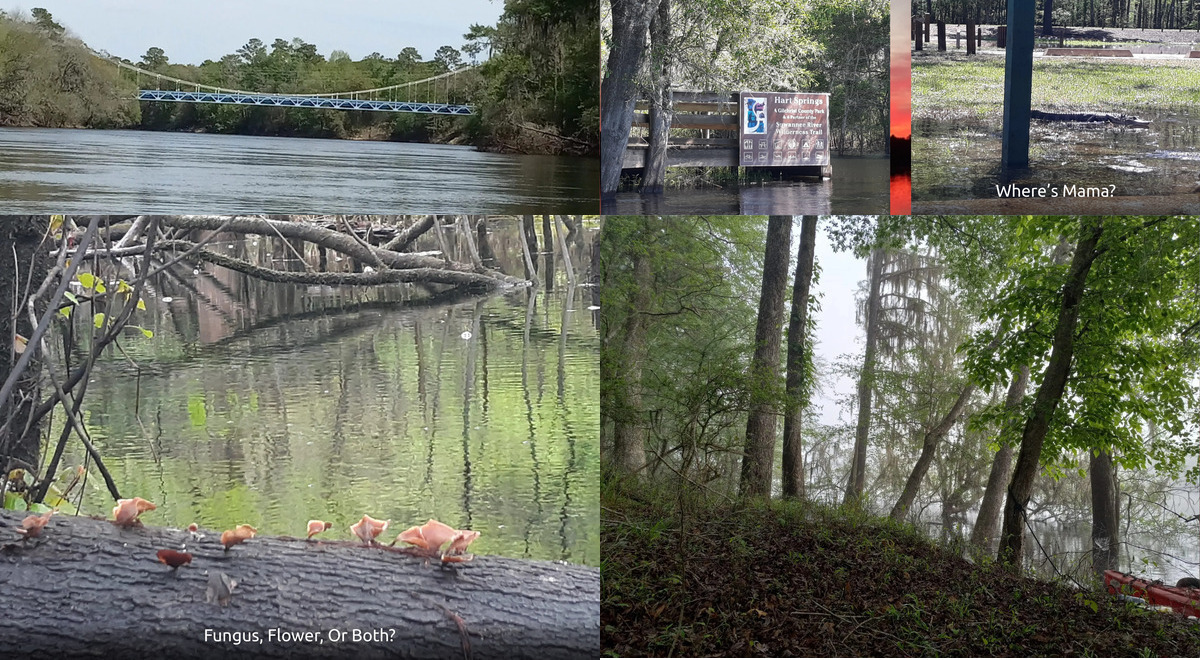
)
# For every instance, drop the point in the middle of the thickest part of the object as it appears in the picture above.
(901, 65)
(191, 32)
(837, 331)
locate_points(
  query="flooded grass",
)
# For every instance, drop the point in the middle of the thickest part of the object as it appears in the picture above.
(958, 105)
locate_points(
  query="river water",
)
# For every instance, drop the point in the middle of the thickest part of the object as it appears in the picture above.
(273, 404)
(858, 186)
(86, 171)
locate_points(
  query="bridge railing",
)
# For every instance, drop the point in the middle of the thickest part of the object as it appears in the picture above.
(374, 93)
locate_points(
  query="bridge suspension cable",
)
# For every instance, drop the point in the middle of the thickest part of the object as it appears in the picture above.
(431, 85)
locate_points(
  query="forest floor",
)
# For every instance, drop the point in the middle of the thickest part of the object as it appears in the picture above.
(797, 579)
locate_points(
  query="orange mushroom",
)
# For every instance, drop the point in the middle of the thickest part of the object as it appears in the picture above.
(232, 537)
(174, 558)
(31, 526)
(368, 528)
(126, 512)
(430, 536)
(459, 543)
(317, 526)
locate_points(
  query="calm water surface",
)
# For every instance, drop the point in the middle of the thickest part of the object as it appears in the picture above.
(859, 185)
(276, 404)
(87, 171)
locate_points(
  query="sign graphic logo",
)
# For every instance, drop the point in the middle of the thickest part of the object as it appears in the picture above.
(755, 116)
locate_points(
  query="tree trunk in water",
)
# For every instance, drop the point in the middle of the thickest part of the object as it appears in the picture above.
(655, 174)
(630, 18)
(764, 371)
(629, 445)
(1105, 539)
(858, 462)
(547, 240)
(928, 448)
(989, 510)
(793, 444)
(1054, 381)
(23, 266)
(90, 588)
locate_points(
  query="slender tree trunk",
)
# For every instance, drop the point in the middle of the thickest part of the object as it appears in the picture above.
(928, 448)
(629, 445)
(1054, 381)
(793, 442)
(1048, 18)
(655, 174)
(984, 530)
(24, 264)
(1105, 539)
(866, 383)
(764, 371)
(630, 18)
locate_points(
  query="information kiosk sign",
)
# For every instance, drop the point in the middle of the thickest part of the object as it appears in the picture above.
(782, 129)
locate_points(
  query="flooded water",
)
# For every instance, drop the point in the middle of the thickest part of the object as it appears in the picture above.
(859, 185)
(85, 171)
(960, 158)
(273, 404)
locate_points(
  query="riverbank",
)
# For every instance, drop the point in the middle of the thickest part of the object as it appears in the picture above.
(790, 578)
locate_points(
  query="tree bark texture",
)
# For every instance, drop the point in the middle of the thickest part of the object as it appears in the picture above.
(793, 441)
(866, 383)
(984, 530)
(929, 446)
(1054, 381)
(629, 445)
(1105, 538)
(630, 19)
(655, 173)
(764, 370)
(24, 264)
(87, 587)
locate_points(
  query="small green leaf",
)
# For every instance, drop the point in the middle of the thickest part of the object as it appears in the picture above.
(100, 288)
(98, 319)
(87, 280)
(148, 332)
(123, 286)
(141, 304)
(66, 311)
(70, 296)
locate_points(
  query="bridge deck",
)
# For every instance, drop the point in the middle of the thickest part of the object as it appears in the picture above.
(291, 101)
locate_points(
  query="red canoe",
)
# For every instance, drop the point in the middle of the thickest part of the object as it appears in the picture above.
(1182, 600)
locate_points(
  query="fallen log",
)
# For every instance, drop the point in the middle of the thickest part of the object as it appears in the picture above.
(88, 587)
(1105, 117)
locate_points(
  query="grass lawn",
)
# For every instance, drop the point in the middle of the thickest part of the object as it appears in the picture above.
(958, 85)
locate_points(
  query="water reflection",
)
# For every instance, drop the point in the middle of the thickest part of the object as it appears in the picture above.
(275, 404)
(960, 158)
(859, 185)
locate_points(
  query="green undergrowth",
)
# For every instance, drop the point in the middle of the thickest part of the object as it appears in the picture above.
(974, 85)
(686, 578)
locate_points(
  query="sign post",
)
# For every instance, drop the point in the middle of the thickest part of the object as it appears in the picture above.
(1018, 84)
(783, 129)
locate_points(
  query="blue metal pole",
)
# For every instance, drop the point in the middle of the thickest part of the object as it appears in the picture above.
(1018, 84)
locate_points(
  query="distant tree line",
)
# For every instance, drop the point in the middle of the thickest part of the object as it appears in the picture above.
(1142, 14)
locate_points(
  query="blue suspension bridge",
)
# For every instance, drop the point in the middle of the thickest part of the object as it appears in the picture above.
(429, 96)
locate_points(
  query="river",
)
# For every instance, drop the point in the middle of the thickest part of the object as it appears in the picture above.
(46, 170)
(858, 186)
(273, 404)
